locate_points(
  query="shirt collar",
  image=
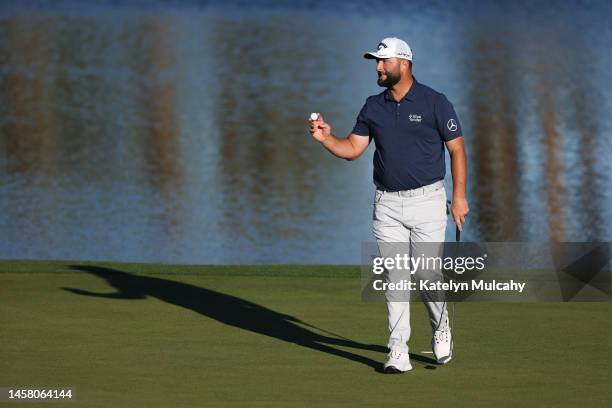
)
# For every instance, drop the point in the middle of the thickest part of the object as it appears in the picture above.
(410, 95)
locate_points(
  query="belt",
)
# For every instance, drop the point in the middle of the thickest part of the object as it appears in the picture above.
(417, 191)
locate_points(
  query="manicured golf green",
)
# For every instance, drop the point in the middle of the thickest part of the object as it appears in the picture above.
(133, 335)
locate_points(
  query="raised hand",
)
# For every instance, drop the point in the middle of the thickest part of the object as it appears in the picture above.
(319, 129)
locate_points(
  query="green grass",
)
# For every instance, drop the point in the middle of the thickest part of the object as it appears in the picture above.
(190, 336)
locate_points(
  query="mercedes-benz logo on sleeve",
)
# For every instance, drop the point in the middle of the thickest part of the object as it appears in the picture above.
(451, 125)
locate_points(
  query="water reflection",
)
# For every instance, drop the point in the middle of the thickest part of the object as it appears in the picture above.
(493, 150)
(179, 134)
(29, 129)
(585, 115)
(163, 154)
(29, 125)
(552, 162)
(568, 108)
(539, 103)
(267, 180)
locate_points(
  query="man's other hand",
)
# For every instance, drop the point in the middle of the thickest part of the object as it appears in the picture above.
(459, 210)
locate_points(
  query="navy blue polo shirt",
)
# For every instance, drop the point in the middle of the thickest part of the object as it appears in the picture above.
(409, 136)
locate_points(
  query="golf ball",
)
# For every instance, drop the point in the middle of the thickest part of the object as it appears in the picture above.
(314, 116)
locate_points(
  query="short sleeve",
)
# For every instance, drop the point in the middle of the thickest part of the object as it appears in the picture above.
(362, 127)
(446, 119)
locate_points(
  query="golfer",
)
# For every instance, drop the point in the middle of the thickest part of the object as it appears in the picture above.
(410, 124)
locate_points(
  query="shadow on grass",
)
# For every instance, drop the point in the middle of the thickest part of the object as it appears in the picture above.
(232, 311)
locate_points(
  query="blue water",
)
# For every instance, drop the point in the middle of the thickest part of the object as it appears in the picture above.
(175, 131)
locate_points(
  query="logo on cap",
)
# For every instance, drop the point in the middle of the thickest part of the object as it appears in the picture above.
(382, 45)
(451, 125)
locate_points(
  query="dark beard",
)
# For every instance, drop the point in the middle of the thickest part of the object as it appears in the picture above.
(390, 81)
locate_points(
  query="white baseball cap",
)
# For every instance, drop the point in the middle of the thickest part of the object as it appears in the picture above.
(391, 47)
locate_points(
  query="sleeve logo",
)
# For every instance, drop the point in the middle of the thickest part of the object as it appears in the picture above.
(451, 125)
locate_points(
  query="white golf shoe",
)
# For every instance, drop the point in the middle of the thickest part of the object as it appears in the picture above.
(397, 363)
(442, 344)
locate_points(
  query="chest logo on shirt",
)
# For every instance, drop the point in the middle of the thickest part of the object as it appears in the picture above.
(451, 125)
(413, 117)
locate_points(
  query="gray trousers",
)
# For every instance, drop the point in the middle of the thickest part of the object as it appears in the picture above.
(402, 221)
